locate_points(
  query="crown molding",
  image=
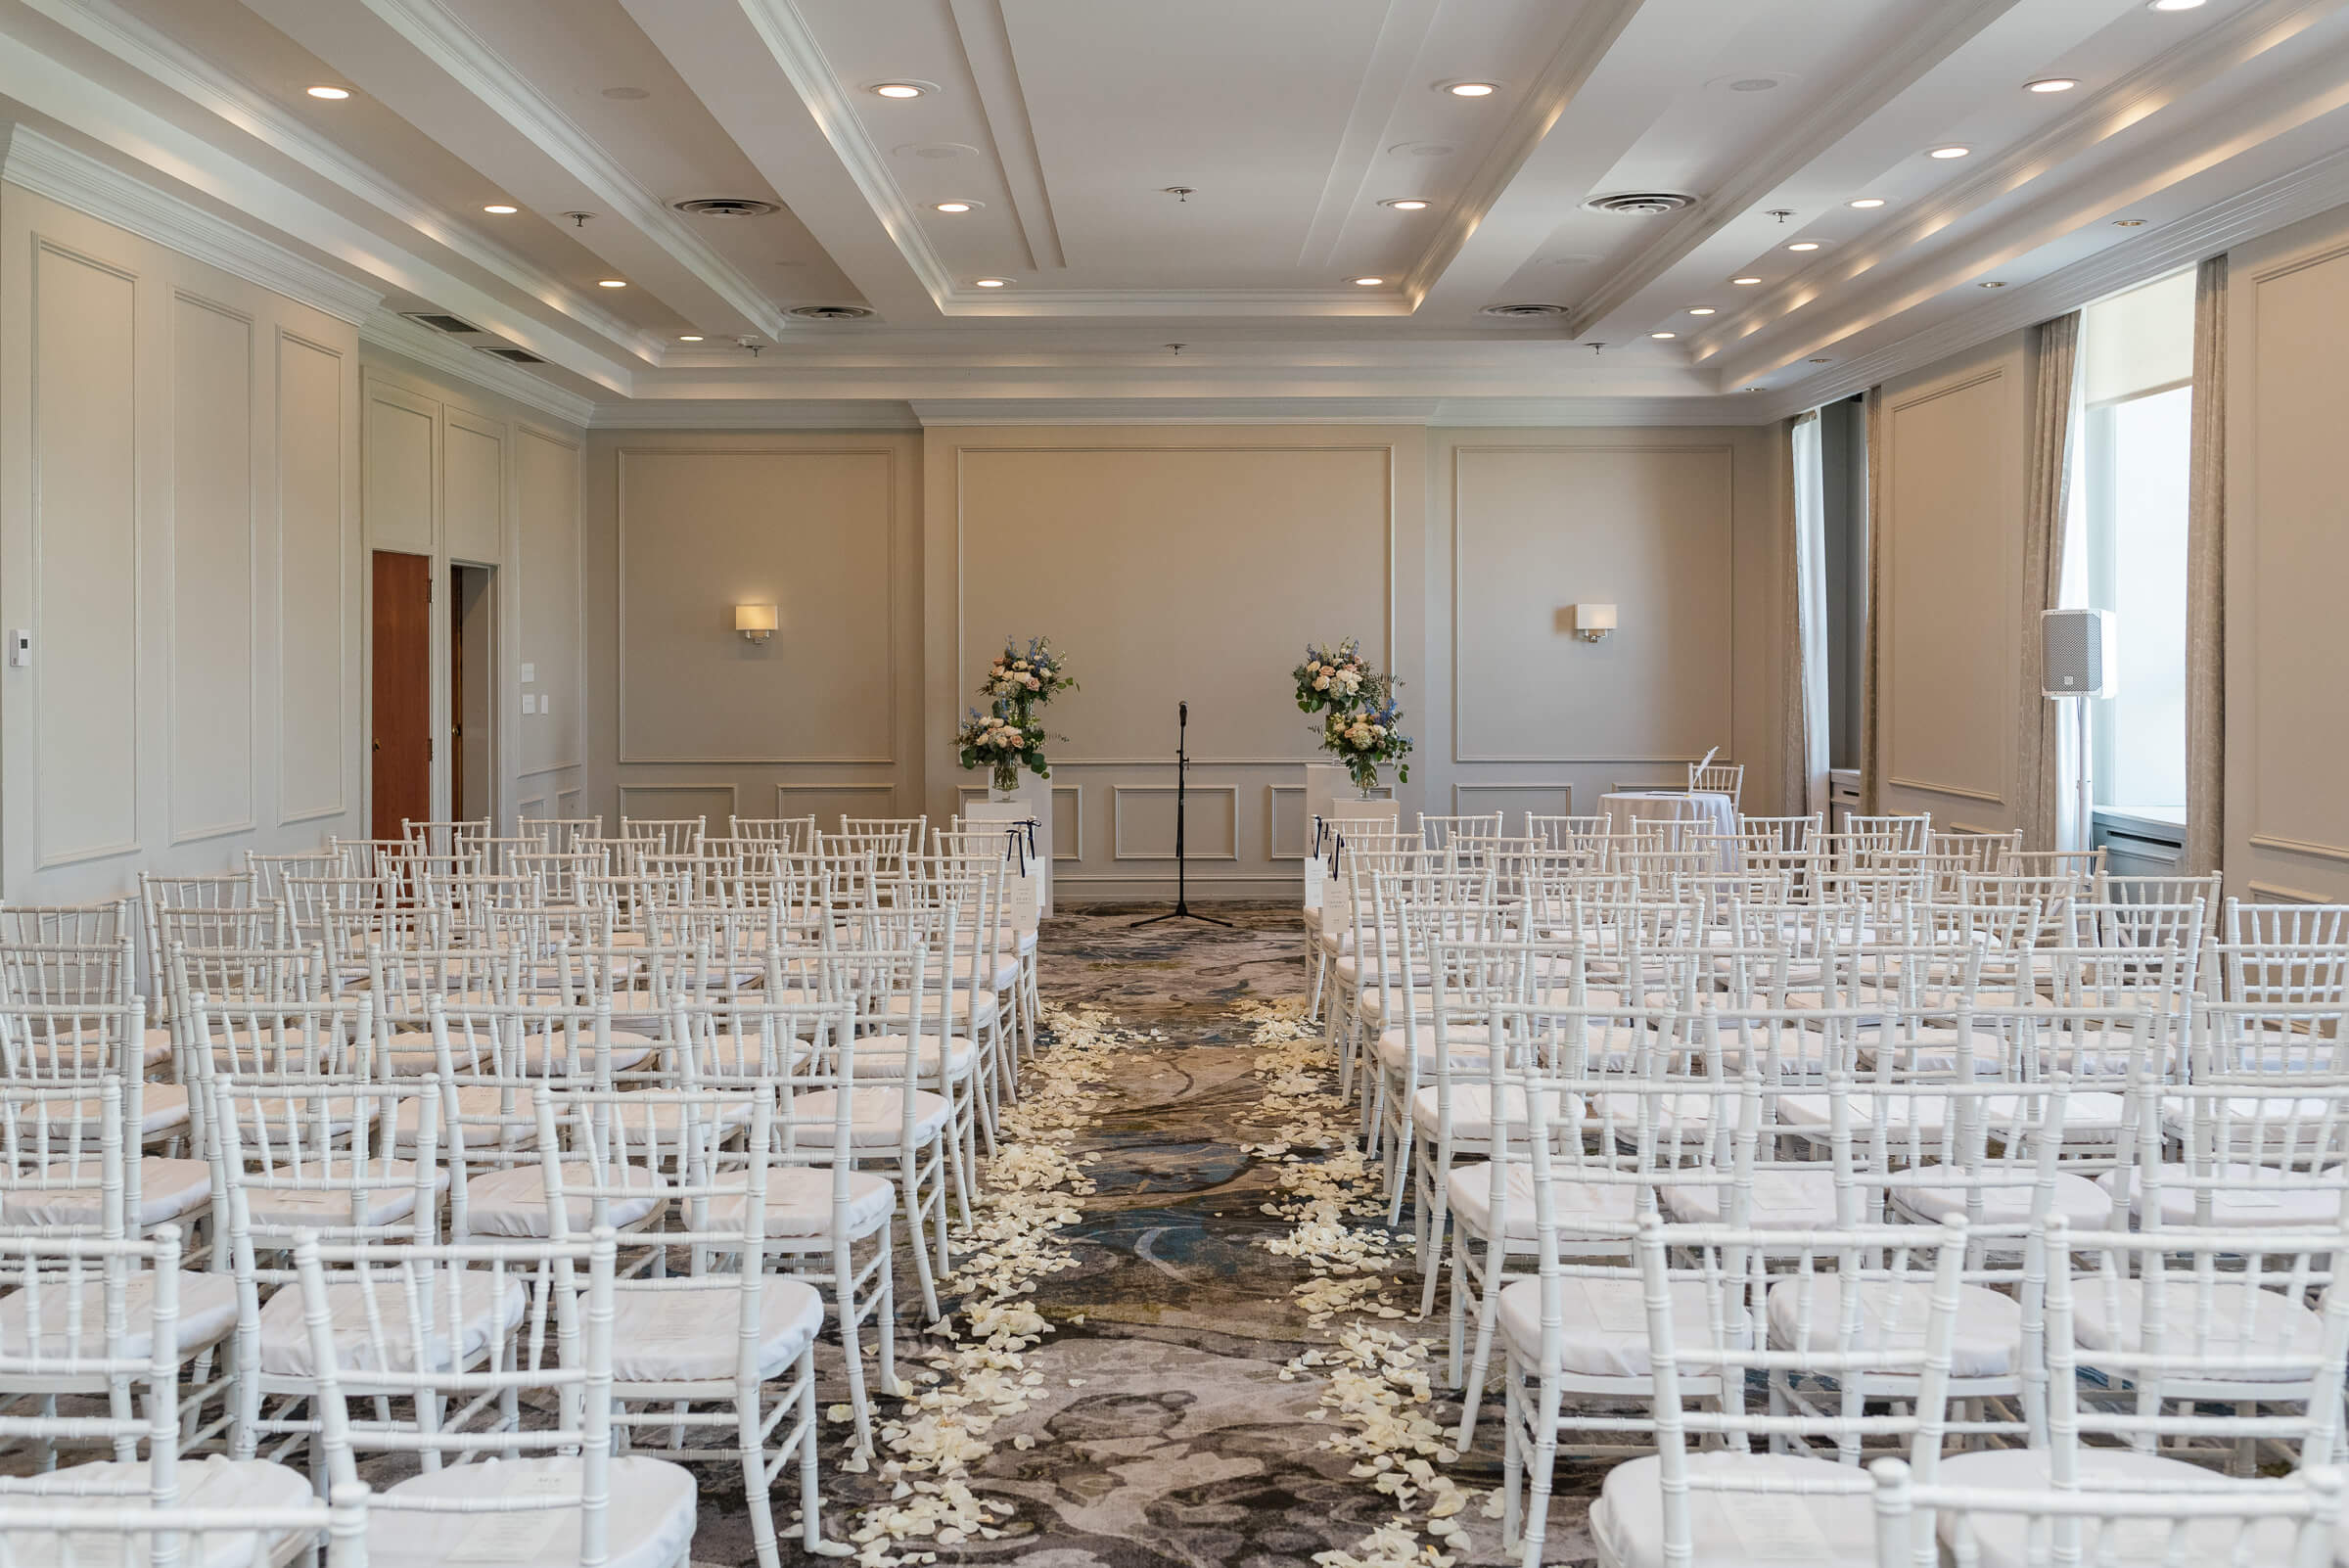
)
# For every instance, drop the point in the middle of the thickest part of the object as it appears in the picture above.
(943, 412)
(233, 100)
(763, 413)
(389, 330)
(468, 60)
(1501, 413)
(65, 174)
(2314, 188)
(1130, 305)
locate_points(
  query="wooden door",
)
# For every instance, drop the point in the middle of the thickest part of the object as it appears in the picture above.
(403, 702)
(457, 803)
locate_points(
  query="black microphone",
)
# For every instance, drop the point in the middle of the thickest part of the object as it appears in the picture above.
(1182, 713)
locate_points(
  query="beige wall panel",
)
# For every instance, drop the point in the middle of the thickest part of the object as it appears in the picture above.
(473, 490)
(85, 542)
(1952, 517)
(828, 803)
(810, 532)
(1288, 833)
(1541, 529)
(398, 470)
(209, 782)
(1174, 575)
(549, 483)
(317, 634)
(670, 803)
(1514, 802)
(1142, 822)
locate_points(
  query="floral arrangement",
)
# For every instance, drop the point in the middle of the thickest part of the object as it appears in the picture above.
(1366, 737)
(1336, 680)
(1004, 742)
(1030, 676)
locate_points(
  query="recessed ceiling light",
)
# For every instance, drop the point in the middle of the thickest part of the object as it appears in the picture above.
(1702, 311)
(1745, 283)
(502, 209)
(1470, 89)
(1951, 152)
(2128, 223)
(2051, 84)
(990, 283)
(1818, 361)
(330, 94)
(1661, 335)
(1866, 203)
(611, 283)
(1994, 285)
(1757, 389)
(1369, 282)
(900, 89)
(689, 336)
(1407, 204)
(2174, 4)
(953, 207)
(1804, 244)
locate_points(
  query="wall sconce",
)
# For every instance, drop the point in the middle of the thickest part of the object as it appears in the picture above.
(1593, 621)
(756, 621)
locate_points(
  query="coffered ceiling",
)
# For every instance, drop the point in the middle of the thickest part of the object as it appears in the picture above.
(1092, 207)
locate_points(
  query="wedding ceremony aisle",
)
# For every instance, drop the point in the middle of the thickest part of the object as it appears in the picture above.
(1203, 1382)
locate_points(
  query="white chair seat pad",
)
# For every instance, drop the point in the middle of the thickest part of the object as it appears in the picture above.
(513, 1201)
(2083, 1202)
(2269, 1206)
(648, 1522)
(168, 1190)
(691, 1336)
(2002, 1539)
(208, 1310)
(1782, 1200)
(1598, 1206)
(163, 1109)
(967, 1008)
(485, 1317)
(1467, 1046)
(799, 1203)
(1739, 1529)
(2090, 1117)
(1605, 1322)
(1989, 1335)
(391, 1194)
(883, 1056)
(212, 1482)
(2114, 1319)
(502, 1121)
(876, 1117)
(1472, 1112)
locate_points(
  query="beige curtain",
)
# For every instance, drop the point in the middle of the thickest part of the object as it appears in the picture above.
(2206, 581)
(2038, 750)
(1795, 718)
(1871, 728)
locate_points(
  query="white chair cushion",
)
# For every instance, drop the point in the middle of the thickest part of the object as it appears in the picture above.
(163, 1110)
(1605, 1322)
(211, 1482)
(395, 1198)
(799, 1203)
(1892, 1317)
(649, 1520)
(1609, 1205)
(2088, 1206)
(1782, 1200)
(883, 1056)
(2268, 1206)
(973, 1009)
(2003, 1538)
(1739, 1529)
(2091, 1118)
(1472, 1112)
(513, 1201)
(208, 1310)
(2279, 1327)
(486, 1317)
(1468, 1046)
(168, 1190)
(690, 1336)
(876, 1117)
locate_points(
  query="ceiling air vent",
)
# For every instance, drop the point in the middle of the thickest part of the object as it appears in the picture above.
(829, 312)
(441, 323)
(1640, 203)
(514, 356)
(725, 207)
(1523, 313)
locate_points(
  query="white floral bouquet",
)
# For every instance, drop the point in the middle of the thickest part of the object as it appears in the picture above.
(1366, 738)
(1029, 675)
(1004, 742)
(1337, 679)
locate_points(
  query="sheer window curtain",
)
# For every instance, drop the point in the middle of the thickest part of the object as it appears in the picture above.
(1871, 694)
(2206, 579)
(2047, 756)
(1807, 722)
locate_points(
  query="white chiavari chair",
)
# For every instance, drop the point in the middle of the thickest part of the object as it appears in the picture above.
(2083, 866)
(2323, 925)
(1419, 910)
(1718, 778)
(1328, 926)
(665, 836)
(446, 839)
(188, 898)
(795, 834)
(563, 835)
(1351, 948)
(1438, 832)
(71, 925)
(2171, 889)
(1877, 839)
(2223, 1154)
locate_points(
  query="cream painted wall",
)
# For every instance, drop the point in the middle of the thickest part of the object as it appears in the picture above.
(689, 720)
(457, 472)
(1680, 529)
(179, 528)
(2286, 831)
(1950, 523)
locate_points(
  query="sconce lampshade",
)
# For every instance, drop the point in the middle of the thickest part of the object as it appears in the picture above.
(754, 617)
(1594, 618)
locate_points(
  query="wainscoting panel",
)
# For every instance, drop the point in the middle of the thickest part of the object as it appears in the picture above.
(213, 609)
(316, 634)
(829, 802)
(472, 489)
(1288, 835)
(1142, 821)
(1514, 802)
(669, 803)
(550, 639)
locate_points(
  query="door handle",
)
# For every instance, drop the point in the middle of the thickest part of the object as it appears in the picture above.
(379, 745)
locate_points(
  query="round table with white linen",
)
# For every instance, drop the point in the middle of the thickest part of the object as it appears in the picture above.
(1709, 810)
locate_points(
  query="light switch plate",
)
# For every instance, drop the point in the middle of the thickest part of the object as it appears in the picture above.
(530, 673)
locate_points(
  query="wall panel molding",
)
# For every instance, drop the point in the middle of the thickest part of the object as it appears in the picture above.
(213, 598)
(1117, 822)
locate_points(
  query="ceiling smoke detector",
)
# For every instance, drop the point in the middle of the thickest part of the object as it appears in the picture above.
(1640, 203)
(829, 312)
(1523, 313)
(725, 207)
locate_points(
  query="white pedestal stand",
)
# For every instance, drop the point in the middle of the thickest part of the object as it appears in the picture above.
(1030, 801)
(1329, 794)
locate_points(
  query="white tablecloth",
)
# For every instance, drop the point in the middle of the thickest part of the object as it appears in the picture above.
(1712, 812)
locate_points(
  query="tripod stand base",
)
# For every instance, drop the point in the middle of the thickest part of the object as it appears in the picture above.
(1181, 911)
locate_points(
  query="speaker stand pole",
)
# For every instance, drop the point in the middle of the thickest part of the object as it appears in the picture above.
(1182, 910)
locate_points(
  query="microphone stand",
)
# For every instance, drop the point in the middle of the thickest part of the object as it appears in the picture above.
(1182, 910)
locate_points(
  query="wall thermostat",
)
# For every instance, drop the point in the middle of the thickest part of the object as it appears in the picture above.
(19, 649)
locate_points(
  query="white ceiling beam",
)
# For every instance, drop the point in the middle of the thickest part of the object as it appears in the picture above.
(995, 75)
(1402, 37)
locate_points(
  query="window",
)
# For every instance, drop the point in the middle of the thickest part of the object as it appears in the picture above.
(2131, 491)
